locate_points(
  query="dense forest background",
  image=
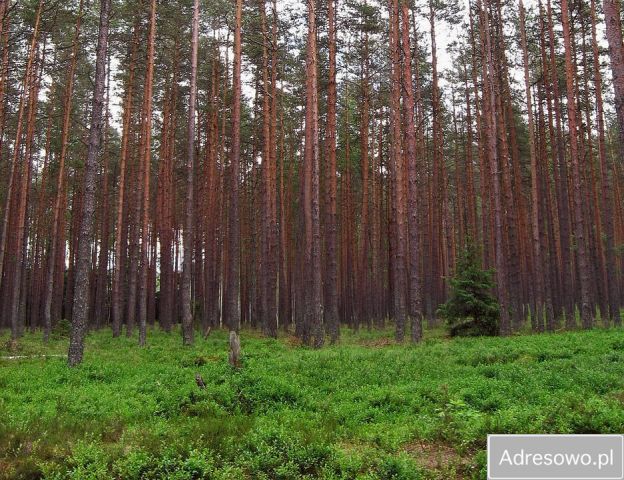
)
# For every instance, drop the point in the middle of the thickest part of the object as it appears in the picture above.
(292, 166)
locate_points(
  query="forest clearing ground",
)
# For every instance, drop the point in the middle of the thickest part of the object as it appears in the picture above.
(364, 408)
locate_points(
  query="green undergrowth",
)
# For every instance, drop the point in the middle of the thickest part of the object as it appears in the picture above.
(365, 408)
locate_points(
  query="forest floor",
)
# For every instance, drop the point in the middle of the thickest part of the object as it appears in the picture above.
(366, 408)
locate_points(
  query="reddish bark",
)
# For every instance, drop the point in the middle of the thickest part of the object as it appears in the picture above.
(233, 278)
(579, 220)
(415, 294)
(187, 310)
(398, 180)
(117, 296)
(332, 321)
(313, 322)
(60, 183)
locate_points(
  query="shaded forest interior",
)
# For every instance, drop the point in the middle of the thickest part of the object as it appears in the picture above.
(306, 166)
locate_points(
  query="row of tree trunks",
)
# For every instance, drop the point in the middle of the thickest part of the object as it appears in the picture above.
(272, 228)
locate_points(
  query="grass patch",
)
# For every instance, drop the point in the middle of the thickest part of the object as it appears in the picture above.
(366, 408)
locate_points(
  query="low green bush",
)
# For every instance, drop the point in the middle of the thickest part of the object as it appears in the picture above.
(350, 411)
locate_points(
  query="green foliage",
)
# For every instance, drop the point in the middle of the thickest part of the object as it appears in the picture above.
(471, 309)
(358, 410)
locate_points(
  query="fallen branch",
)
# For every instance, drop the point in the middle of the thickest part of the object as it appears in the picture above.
(17, 357)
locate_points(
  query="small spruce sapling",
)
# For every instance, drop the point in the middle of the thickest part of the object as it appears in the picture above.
(472, 309)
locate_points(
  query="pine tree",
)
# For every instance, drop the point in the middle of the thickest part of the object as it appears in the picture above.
(81, 295)
(187, 311)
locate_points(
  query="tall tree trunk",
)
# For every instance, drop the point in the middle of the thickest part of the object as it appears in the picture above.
(490, 106)
(579, 223)
(268, 272)
(120, 240)
(41, 220)
(21, 227)
(211, 269)
(145, 160)
(187, 311)
(606, 182)
(415, 293)
(272, 309)
(332, 321)
(166, 202)
(363, 270)
(4, 65)
(101, 287)
(538, 275)
(314, 307)
(81, 290)
(438, 172)
(233, 260)
(397, 173)
(60, 183)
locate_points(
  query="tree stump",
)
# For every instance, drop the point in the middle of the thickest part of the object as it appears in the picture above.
(234, 349)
